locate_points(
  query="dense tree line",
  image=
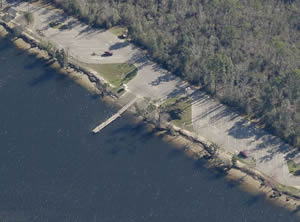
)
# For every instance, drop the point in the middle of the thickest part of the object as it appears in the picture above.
(246, 53)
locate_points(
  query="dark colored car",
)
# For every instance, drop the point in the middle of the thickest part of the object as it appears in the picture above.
(123, 36)
(107, 53)
(243, 154)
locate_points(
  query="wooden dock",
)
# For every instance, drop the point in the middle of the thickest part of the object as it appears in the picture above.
(114, 117)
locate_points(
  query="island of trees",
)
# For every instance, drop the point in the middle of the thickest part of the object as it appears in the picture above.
(245, 53)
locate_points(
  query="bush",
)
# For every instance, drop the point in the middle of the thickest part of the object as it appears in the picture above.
(234, 160)
(61, 57)
(17, 31)
(29, 17)
(49, 47)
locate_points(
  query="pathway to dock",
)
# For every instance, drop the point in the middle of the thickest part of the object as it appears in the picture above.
(114, 117)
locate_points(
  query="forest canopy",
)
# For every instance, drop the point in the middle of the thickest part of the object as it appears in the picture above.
(246, 53)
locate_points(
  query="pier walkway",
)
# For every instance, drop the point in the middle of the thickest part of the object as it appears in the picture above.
(114, 117)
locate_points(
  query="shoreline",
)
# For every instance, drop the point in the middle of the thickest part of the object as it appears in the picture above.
(194, 147)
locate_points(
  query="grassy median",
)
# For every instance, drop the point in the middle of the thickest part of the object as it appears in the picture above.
(294, 168)
(118, 30)
(115, 73)
(180, 110)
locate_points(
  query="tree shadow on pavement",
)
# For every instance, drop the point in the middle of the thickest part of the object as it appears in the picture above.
(118, 45)
(57, 18)
(216, 112)
(139, 60)
(88, 30)
(166, 77)
(243, 130)
(177, 91)
(272, 145)
(209, 111)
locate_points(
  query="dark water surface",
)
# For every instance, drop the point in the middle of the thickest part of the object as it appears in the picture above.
(53, 169)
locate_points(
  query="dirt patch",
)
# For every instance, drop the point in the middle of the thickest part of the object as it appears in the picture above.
(21, 44)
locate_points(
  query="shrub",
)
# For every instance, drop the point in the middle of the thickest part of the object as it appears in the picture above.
(16, 31)
(29, 17)
(61, 57)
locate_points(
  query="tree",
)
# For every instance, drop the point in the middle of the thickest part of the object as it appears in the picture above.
(61, 57)
(29, 17)
(234, 160)
(293, 84)
(17, 31)
(220, 68)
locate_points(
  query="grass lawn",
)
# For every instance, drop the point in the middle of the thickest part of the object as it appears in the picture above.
(118, 30)
(183, 109)
(294, 168)
(115, 73)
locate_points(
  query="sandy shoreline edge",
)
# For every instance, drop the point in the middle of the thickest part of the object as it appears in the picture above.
(244, 177)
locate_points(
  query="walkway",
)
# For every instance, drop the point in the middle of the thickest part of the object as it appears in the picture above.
(114, 117)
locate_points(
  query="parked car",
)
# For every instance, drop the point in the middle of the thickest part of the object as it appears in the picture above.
(243, 155)
(123, 36)
(107, 53)
(54, 24)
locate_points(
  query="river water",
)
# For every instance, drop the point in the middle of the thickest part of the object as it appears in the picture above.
(53, 169)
